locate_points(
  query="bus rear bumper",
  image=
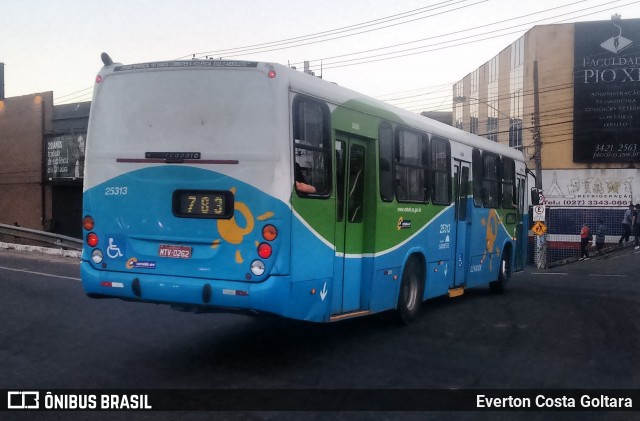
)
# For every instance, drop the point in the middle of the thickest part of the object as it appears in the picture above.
(276, 295)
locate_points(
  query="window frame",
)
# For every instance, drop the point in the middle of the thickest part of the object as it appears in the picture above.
(506, 183)
(386, 149)
(477, 165)
(400, 162)
(434, 170)
(325, 149)
(494, 181)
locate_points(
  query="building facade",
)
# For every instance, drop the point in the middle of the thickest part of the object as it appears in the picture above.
(568, 96)
(24, 196)
(42, 162)
(64, 163)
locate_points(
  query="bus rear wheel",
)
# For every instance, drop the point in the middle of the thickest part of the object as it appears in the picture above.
(410, 294)
(498, 286)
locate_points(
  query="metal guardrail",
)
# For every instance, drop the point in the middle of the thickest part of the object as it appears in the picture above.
(42, 236)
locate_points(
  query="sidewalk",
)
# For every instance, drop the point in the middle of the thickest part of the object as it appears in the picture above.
(605, 253)
(42, 250)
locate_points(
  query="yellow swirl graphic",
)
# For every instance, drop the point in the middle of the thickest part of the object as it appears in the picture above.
(229, 229)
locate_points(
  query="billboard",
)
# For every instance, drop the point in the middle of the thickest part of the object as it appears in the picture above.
(606, 124)
(64, 156)
(589, 188)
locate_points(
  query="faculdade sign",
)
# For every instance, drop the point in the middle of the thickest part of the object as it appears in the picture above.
(606, 125)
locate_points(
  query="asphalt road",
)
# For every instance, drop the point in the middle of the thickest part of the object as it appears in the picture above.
(571, 327)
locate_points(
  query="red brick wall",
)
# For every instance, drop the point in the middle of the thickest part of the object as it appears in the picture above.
(23, 122)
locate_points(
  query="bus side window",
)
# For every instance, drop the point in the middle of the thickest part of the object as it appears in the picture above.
(340, 174)
(312, 147)
(355, 191)
(411, 167)
(508, 183)
(490, 180)
(385, 146)
(477, 177)
(463, 193)
(441, 170)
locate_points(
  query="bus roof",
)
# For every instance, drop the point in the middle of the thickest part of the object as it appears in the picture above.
(330, 92)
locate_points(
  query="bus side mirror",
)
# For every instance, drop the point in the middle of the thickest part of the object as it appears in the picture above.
(535, 196)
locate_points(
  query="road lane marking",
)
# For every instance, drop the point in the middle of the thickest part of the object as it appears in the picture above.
(550, 273)
(39, 273)
(608, 276)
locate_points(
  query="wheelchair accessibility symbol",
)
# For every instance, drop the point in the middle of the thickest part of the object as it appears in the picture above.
(113, 251)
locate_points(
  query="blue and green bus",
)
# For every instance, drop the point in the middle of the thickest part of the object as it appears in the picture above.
(216, 185)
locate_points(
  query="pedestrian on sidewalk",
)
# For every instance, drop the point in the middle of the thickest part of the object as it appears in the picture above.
(601, 233)
(585, 239)
(626, 224)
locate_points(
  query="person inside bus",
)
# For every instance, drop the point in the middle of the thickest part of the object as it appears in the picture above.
(301, 182)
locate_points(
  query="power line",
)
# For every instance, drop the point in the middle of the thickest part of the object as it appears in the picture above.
(399, 53)
(457, 32)
(395, 55)
(269, 46)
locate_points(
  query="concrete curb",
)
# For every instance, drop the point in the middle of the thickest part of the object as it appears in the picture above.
(43, 250)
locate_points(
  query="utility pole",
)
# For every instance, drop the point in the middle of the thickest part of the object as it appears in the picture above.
(541, 241)
(536, 128)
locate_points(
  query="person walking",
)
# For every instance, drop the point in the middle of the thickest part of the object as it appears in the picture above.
(636, 226)
(601, 233)
(626, 224)
(584, 242)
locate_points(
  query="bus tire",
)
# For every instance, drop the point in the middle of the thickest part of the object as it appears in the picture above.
(498, 286)
(410, 293)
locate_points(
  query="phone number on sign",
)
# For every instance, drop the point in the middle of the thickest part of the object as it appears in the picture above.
(588, 202)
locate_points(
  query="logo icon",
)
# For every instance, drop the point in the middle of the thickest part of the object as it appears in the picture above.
(617, 43)
(23, 400)
(113, 251)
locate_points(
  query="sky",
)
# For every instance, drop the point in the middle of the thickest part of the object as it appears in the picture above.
(406, 52)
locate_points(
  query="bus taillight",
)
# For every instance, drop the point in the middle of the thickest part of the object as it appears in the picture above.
(87, 223)
(92, 239)
(264, 250)
(269, 232)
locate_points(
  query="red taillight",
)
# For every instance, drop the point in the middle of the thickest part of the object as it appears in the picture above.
(87, 223)
(269, 232)
(98, 79)
(92, 239)
(272, 74)
(264, 250)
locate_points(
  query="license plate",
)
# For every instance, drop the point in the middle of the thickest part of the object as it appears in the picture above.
(175, 252)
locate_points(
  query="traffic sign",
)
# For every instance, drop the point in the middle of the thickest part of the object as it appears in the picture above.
(538, 213)
(539, 228)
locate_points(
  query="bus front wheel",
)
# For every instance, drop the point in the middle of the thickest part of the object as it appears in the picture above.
(410, 294)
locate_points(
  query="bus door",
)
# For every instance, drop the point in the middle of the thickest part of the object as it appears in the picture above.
(351, 164)
(521, 236)
(462, 221)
